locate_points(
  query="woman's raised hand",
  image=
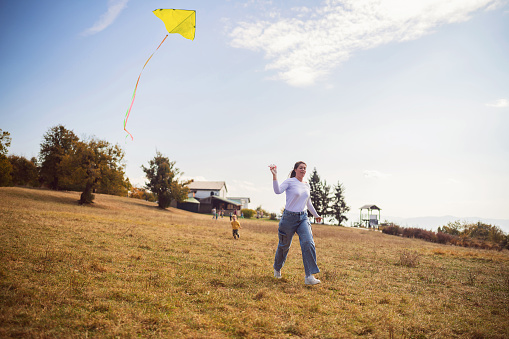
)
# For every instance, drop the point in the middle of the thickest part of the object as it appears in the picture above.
(273, 170)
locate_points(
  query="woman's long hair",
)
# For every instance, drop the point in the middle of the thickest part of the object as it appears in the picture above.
(297, 164)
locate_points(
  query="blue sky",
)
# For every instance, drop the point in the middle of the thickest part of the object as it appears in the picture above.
(405, 103)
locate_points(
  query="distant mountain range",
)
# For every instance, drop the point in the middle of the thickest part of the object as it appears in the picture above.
(432, 223)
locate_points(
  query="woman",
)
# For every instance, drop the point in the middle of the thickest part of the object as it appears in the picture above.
(295, 220)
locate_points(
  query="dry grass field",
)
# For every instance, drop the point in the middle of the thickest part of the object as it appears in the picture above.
(123, 268)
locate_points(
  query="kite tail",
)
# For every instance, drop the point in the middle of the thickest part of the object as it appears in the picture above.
(135, 87)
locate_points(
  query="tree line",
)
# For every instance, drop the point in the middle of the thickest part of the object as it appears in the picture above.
(477, 235)
(329, 201)
(66, 162)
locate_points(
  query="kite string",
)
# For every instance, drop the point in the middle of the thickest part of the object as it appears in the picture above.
(135, 87)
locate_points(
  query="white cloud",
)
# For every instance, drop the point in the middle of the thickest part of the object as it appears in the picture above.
(115, 7)
(500, 103)
(375, 174)
(308, 46)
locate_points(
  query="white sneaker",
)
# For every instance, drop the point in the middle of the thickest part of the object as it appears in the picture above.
(277, 274)
(311, 280)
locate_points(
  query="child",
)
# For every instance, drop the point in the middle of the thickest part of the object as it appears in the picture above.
(235, 227)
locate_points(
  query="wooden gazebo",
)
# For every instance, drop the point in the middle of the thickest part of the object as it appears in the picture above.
(370, 219)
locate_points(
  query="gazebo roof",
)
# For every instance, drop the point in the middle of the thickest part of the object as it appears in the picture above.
(370, 207)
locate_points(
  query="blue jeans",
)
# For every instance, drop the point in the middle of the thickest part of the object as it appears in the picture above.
(291, 223)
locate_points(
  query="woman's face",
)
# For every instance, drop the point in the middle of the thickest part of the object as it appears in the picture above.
(300, 171)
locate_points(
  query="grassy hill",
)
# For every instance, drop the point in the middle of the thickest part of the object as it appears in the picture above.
(122, 267)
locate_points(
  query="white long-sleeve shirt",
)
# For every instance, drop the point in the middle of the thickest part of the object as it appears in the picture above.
(297, 195)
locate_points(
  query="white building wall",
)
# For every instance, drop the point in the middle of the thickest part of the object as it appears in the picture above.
(200, 194)
(244, 203)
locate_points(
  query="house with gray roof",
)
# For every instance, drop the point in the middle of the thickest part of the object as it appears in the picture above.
(211, 194)
(205, 189)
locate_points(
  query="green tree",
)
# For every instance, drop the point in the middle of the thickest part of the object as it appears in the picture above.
(57, 143)
(338, 204)
(315, 190)
(320, 194)
(5, 141)
(452, 228)
(324, 200)
(92, 165)
(497, 235)
(164, 181)
(484, 231)
(25, 171)
(5, 165)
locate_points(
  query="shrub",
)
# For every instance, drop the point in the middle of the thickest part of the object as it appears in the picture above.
(429, 236)
(392, 230)
(479, 230)
(465, 239)
(248, 213)
(505, 242)
(409, 259)
(143, 194)
(410, 232)
(444, 238)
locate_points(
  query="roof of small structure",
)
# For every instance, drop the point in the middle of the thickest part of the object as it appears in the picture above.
(370, 207)
(208, 200)
(239, 198)
(207, 185)
(191, 201)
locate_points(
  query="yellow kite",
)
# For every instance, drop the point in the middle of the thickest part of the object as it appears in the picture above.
(181, 21)
(178, 21)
